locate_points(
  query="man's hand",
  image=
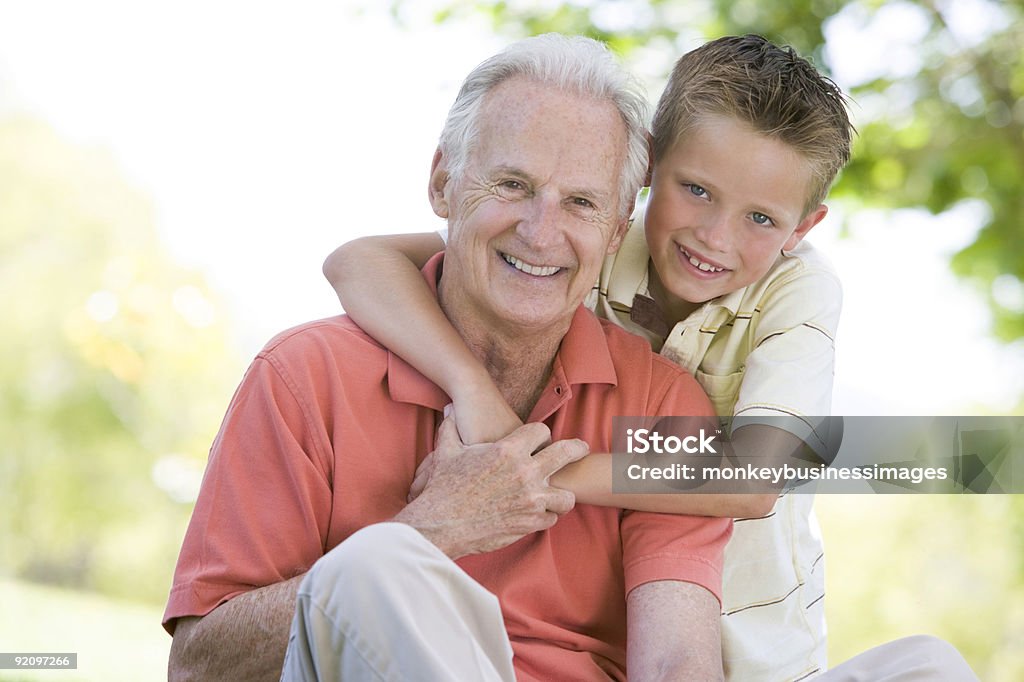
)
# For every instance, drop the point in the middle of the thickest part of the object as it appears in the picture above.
(488, 422)
(483, 497)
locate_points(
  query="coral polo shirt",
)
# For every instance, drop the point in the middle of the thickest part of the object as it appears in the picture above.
(324, 435)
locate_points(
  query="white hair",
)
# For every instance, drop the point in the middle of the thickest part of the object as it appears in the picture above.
(573, 64)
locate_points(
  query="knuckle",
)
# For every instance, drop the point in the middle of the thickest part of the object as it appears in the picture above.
(536, 432)
(566, 502)
(503, 448)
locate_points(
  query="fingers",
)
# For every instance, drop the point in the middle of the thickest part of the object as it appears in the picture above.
(448, 435)
(527, 438)
(558, 454)
(560, 501)
(419, 481)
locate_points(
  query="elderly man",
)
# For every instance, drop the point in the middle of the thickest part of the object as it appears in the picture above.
(489, 573)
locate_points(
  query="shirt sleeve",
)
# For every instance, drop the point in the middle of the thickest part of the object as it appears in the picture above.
(264, 506)
(789, 374)
(675, 546)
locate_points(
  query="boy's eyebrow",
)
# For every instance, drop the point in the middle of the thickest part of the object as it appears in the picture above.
(769, 208)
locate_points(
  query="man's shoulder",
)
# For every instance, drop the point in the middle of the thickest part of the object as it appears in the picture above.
(332, 341)
(339, 329)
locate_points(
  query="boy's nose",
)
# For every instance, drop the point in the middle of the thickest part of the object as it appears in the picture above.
(714, 232)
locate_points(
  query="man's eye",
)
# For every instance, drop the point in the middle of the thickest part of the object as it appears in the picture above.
(583, 203)
(512, 184)
(696, 190)
(761, 219)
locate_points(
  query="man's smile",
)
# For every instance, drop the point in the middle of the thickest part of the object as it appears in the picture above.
(530, 268)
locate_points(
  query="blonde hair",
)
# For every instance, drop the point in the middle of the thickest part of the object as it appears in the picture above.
(770, 88)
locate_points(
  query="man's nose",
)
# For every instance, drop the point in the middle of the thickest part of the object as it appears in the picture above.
(714, 231)
(540, 226)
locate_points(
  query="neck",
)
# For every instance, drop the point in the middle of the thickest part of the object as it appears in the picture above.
(518, 360)
(673, 308)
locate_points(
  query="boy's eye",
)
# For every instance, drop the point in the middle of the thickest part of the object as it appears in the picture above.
(696, 190)
(761, 219)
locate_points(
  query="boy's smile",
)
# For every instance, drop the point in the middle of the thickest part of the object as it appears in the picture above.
(724, 202)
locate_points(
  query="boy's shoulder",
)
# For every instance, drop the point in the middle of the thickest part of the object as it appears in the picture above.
(804, 267)
(808, 257)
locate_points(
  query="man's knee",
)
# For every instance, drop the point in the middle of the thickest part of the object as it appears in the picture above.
(365, 558)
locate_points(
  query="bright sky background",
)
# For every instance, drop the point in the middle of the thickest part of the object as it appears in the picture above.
(266, 137)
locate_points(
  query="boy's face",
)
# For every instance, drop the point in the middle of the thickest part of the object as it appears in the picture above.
(724, 202)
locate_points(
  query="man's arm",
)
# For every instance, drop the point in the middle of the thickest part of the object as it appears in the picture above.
(243, 639)
(673, 633)
(480, 498)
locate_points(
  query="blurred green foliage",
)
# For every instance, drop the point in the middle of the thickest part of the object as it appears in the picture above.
(113, 376)
(941, 119)
(947, 565)
(116, 640)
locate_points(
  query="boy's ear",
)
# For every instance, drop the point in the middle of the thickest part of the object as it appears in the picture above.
(650, 160)
(438, 182)
(804, 226)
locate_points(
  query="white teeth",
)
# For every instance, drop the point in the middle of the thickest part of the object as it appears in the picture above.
(700, 265)
(535, 270)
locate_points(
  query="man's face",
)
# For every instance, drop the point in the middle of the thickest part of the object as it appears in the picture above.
(537, 207)
(724, 202)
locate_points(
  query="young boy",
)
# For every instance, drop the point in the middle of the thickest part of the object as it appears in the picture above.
(747, 139)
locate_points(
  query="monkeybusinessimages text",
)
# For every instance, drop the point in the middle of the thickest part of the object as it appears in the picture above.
(649, 442)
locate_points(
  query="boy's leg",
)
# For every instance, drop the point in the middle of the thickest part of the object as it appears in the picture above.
(912, 659)
(386, 604)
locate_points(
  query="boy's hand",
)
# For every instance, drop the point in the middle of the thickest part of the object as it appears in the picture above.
(483, 416)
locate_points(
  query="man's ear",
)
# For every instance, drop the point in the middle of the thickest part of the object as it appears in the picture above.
(804, 226)
(620, 232)
(438, 182)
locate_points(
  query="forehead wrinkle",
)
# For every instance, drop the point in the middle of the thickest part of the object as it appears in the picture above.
(504, 117)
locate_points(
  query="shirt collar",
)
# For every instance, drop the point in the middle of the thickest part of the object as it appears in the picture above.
(583, 358)
(628, 276)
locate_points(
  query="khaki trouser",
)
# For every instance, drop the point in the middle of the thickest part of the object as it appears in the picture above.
(386, 604)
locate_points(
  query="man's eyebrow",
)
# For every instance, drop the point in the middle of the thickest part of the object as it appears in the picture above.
(590, 194)
(510, 170)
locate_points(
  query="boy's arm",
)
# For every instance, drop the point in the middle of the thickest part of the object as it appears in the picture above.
(590, 479)
(792, 365)
(378, 282)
